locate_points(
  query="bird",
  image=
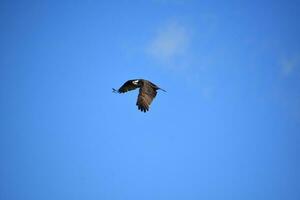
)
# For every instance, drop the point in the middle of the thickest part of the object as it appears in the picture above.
(147, 92)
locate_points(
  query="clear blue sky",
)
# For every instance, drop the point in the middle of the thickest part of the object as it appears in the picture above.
(227, 129)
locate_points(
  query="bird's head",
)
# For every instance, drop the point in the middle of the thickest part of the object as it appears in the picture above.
(135, 82)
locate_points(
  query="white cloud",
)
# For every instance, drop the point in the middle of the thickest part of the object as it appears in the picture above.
(171, 48)
(170, 44)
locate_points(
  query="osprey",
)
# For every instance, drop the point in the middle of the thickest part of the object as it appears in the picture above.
(146, 95)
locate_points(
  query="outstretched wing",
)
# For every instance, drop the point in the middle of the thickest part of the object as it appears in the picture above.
(145, 98)
(127, 86)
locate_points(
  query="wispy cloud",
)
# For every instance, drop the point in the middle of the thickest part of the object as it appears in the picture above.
(171, 48)
(289, 64)
(170, 44)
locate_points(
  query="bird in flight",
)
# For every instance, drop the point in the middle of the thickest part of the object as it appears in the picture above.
(146, 95)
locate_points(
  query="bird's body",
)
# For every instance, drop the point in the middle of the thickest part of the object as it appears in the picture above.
(147, 92)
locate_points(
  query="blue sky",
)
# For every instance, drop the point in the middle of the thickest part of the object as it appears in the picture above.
(228, 127)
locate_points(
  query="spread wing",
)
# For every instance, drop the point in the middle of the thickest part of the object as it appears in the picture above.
(146, 96)
(127, 86)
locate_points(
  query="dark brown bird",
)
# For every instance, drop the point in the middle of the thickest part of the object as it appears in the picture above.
(146, 95)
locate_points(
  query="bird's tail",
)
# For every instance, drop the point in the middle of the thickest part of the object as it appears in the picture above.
(114, 90)
(162, 89)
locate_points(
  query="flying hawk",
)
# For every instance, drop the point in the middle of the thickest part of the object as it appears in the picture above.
(146, 95)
